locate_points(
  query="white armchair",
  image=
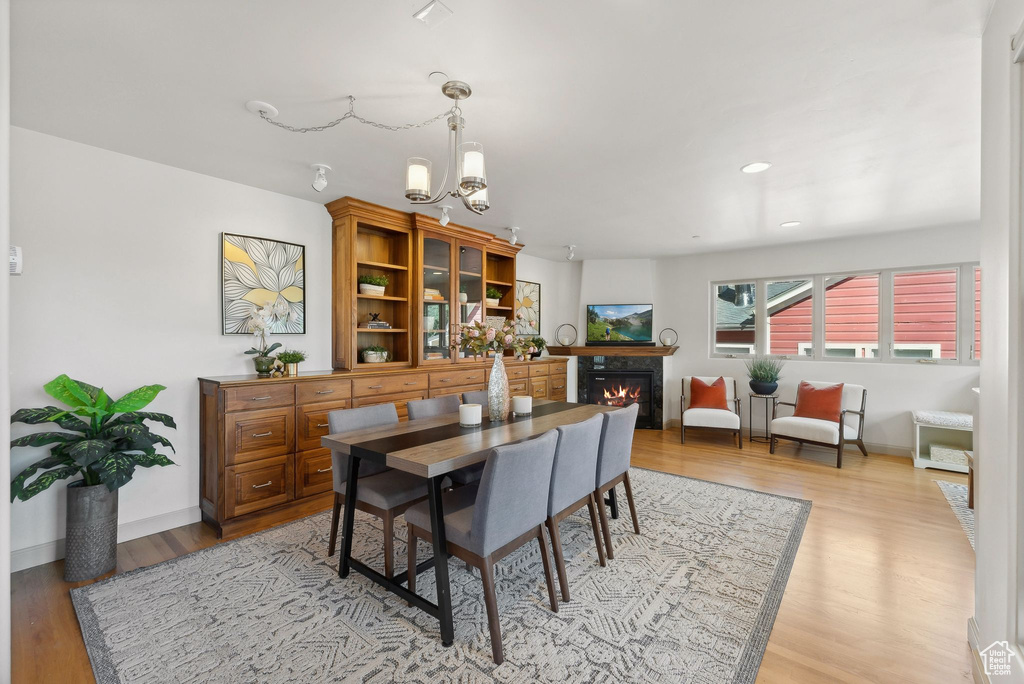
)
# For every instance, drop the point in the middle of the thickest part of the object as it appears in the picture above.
(850, 427)
(709, 418)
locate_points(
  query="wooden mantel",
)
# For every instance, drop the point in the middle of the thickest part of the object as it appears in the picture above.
(612, 351)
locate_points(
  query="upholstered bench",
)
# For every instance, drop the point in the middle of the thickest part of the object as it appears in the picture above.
(939, 420)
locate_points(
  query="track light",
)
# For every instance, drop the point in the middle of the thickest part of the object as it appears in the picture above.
(570, 252)
(514, 237)
(320, 179)
(444, 215)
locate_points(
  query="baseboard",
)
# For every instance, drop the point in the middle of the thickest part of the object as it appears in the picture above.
(32, 556)
(873, 447)
(977, 669)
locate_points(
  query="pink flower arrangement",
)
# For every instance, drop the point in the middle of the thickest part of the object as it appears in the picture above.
(478, 338)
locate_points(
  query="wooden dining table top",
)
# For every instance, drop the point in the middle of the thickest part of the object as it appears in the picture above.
(434, 446)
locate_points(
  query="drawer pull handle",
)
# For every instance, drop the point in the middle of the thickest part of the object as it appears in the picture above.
(559, 386)
(265, 484)
(324, 470)
(325, 391)
(446, 379)
(263, 434)
(328, 424)
(376, 386)
(411, 383)
(261, 398)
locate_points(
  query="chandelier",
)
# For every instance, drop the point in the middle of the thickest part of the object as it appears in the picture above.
(470, 174)
(470, 184)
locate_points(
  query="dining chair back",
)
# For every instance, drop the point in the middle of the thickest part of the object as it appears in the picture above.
(350, 420)
(428, 408)
(613, 459)
(475, 397)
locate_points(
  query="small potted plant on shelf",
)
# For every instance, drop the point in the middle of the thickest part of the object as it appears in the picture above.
(764, 372)
(260, 323)
(291, 358)
(493, 296)
(538, 343)
(373, 284)
(375, 354)
(101, 440)
(463, 295)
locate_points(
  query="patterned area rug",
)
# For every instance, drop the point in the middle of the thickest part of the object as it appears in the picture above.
(691, 599)
(956, 496)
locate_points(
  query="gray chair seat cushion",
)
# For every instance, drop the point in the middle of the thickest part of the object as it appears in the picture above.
(468, 475)
(458, 515)
(392, 489)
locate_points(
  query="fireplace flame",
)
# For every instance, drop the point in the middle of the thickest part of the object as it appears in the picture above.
(623, 395)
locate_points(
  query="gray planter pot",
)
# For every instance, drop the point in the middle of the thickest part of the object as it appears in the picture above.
(90, 546)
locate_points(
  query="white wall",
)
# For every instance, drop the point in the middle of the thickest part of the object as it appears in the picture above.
(998, 477)
(559, 290)
(122, 288)
(5, 499)
(683, 303)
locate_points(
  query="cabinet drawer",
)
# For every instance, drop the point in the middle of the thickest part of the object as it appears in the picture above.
(252, 435)
(444, 391)
(456, 378)
(255, 486)
(399, 400)
(388, 384)
(558, 368)
(558, 387)
(539, 388)
(520, 372)
(245, 398)
(313, 473)
(322, 390)
(311, 423)
(519, 388)
(538, 369)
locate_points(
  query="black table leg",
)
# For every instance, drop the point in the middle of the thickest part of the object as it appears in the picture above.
(444, 591)
(350, 515)
(613, 503)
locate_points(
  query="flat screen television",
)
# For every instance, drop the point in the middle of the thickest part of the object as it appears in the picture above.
(620, 324)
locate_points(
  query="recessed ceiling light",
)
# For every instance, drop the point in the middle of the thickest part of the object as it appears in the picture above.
(756, 167)
(433, 13)
(789, 224)
(695, 236)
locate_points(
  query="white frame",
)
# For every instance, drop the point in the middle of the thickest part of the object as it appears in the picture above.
(886, 305)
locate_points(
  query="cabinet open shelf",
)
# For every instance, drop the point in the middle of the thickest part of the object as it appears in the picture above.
(387, 298)
(500, 308)
(499, 282)
(381, 265)
(381, 330)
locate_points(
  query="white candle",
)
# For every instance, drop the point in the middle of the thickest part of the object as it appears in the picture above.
(473, 165)
(470, 415)
(522, 406)
(418, 179)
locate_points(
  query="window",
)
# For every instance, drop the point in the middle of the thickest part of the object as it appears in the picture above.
(924, 314)
(976, 348)
(734, 312)
(790, 317)
(851, 316)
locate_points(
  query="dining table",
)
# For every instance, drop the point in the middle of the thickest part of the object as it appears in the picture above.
(431, 448)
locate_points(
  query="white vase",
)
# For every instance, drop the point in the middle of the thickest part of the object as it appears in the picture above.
(498, 401)
(492, 301)
(366, 288)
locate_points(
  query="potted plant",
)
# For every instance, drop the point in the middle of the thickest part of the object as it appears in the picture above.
(479, 338)
(101, 440)
(493, 296)
(463, 295)
(538, 343)
(373, 284)
(291, 358)
(375, 354)
(260, 323)
(764, 372)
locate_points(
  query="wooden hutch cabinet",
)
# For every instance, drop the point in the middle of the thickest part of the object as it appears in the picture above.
(261, 462)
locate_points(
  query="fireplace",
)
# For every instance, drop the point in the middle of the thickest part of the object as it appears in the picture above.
(623, 388)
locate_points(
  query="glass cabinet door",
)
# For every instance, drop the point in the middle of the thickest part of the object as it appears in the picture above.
(437, 289)
(471, 287)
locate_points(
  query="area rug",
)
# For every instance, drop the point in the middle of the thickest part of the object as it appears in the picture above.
(956, 496)
(693, 598)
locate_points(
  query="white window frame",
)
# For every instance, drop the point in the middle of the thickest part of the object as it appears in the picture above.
(886, 325)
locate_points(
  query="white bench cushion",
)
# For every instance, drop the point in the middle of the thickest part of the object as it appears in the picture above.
(712, 418)
(811, 429)
(950, 419)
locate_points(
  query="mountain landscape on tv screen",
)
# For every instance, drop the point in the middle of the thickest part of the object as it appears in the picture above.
(619, 323)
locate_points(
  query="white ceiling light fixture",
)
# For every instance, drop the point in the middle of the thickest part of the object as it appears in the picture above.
(756, 167)
(789, 224)
(444, 215)
(570, 252)
(513, 238)
(320, 179)
(433, 13)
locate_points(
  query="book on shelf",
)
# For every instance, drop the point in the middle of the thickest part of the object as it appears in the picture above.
(378, 325)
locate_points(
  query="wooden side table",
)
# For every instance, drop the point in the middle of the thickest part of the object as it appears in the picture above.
(768, 400)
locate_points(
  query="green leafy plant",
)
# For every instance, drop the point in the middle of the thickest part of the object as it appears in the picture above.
(539, 342)
(380, 280)
(765, 368)
(291, 356)
(493, 293)
(103, 440)
(376, 348)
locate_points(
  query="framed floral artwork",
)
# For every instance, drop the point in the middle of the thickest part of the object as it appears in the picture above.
(528, 304)
(258, 273)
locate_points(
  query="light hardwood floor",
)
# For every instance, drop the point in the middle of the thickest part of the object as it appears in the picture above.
(881, 589)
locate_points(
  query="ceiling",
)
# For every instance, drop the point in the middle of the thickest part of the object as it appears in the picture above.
(617, 125)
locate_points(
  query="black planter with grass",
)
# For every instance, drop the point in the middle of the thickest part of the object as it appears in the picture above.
(764, 373)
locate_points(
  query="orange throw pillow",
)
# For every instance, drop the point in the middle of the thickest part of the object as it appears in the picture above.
(703, 395)
(822, 403)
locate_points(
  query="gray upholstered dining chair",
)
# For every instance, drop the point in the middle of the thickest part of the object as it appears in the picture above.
(383, 492)
(428, 408)
(613, 464)
(486, 523)
(475, 397)
(575, 463)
